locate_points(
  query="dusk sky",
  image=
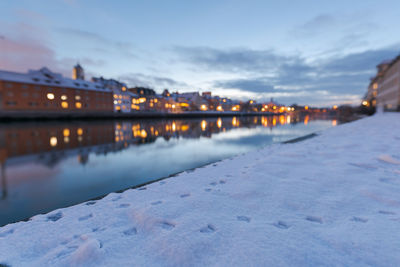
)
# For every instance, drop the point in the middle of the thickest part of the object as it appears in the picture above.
(305, 52)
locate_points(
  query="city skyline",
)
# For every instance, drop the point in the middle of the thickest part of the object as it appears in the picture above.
(310, 53)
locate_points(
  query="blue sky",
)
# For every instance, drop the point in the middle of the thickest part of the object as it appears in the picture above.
(305, 52)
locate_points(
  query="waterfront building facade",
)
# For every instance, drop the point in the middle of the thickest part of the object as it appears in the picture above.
(121, 97)
(388, 85)
(43, 91)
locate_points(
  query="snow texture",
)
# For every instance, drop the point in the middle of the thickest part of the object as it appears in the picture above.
(332, 200)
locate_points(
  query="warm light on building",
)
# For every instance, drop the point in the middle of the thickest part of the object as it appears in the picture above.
(79, 131)
(219, 108)
(334, 122)
(53, 141)
(50, 96)
(335, 107)
(123, 88)
(63, 97)
(64, 104)
(203, 107)
(66, 132)
(66, 139)
(78, 105)
(143, 133)
(365, 103)
(78, 97)
(306, 107)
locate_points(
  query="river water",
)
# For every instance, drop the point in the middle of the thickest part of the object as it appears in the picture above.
(50, 165)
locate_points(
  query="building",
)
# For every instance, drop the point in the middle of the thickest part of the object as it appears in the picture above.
(78, 72)
(388, 85)
(43, 91)
(142, 91)
(121, 96)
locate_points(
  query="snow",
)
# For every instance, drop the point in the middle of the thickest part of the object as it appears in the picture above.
(330, 200)
(48, 78)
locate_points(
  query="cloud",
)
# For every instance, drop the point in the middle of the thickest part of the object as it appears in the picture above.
(144, 80)
(273, 74)
(100, 43)
(314, 26)
(260, 85)
(231, 60)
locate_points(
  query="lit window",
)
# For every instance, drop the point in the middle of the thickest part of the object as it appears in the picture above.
(78, 105)
(63, 97)
(79, 131)
(77, 97)
(115, 102)
(66, 139)
(53, 141)
(123, 88)
(66, 132)
(50, 96)
(64, 104)
(203, 107)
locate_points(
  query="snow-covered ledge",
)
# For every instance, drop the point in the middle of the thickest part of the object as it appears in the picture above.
(330, 200)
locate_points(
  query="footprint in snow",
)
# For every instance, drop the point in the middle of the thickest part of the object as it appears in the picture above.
(207, 189)
(364, 166)
(387, 212)
(116, 198)
(208, 229)
(389, 159)
(185, 195)
(55, 217)
(228, 175)
(156, 202)
(243, 218)
(6, 233)
(281, 225)
(162, 182)
(66, 251)
(142, 188)
(89, 203)
(86, 217)
(124, 205)
(359, 219)
(222, 181)
(314, 219)
(213, 183)
(130, 231)
(167, 225)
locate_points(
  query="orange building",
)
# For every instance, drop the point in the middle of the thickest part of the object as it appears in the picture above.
(42, 91)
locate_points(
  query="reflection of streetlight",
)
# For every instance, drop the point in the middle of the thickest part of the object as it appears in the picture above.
(203, 125)
(219, 123)
(234, 122)
(334, 122)
(306, 120)
(53, 141)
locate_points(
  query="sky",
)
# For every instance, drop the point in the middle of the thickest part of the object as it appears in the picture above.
(319, 53)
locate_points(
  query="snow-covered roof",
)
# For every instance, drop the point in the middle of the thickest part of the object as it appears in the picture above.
(46, 77)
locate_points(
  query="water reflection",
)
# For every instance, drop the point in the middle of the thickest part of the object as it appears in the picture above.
(50, 165)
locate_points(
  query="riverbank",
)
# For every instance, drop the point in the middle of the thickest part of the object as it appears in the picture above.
(22, 115)
(329, 200)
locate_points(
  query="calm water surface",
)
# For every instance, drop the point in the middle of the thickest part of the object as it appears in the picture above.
(45, 166)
